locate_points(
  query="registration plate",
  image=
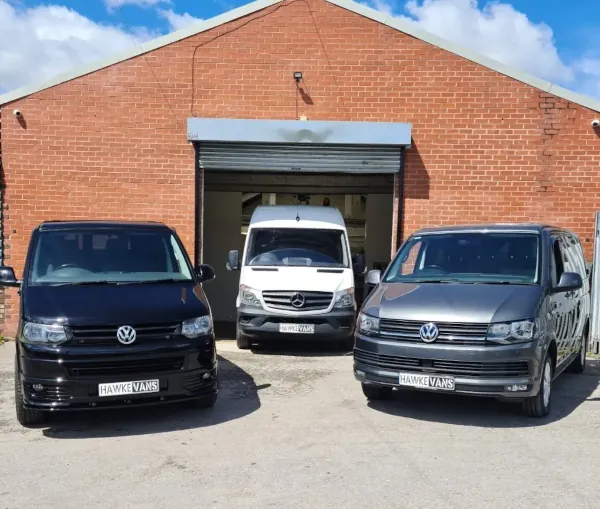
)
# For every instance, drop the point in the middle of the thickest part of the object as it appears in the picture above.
(297, 328)
(126, 388)
(434, 382)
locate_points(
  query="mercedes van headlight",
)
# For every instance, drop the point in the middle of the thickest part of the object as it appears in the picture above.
(195, 327)
(249, 297)
(39, 333)
(345, 299)
(367, 325)
(508, 333)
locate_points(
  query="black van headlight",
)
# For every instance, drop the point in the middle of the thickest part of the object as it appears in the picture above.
(508, 333)
(39, 333)
(195, 327)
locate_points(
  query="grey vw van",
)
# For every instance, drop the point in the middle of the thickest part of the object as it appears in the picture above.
(489, 310)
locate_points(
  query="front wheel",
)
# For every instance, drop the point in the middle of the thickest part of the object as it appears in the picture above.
(243, 342)
(376, 393)
(539, 405)
(25, 416)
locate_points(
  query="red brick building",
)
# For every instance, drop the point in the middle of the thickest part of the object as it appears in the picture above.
(110, 141)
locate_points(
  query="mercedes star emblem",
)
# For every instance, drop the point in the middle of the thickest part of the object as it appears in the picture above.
(297, 300)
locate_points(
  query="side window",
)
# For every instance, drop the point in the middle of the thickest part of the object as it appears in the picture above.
(557, 265)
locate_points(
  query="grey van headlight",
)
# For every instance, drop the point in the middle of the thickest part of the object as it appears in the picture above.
(39, 333)
(195, 327)
(344, 299)
(508, 333)
(367, 325)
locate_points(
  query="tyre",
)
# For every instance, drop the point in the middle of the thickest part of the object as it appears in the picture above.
(243, 342)
(578, 364)
(376, 393)
(205, 401)
(539, 405)
(25, 416)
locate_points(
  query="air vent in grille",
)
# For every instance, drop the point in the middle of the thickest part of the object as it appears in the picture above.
(450, 333)
(311, 301)
(443, 367)
(123, 367)
(103, 335)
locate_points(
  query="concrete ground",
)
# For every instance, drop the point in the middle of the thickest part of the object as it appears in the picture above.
(292, 429)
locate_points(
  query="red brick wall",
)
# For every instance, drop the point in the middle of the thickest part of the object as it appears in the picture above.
(112, 144)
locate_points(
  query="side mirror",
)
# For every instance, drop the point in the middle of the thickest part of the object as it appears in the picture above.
(205, 273)
(233, 260)
(374, 277)
(358, 265)
(8, 278)
(569, 281)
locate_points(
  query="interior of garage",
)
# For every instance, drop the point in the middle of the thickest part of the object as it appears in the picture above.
(229, 199)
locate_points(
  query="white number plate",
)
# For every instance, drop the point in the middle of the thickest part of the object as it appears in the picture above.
(297, 328)
(125, 388)
(444, 383)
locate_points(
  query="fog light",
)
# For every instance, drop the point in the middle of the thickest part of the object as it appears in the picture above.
(38, 387)
(515, 388)
(206, 376)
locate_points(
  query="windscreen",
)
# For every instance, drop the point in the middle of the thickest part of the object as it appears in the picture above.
(69, 257)
(296, 247)
(468, 258)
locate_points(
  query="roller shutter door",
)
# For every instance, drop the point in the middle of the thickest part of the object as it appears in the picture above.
(299, 157)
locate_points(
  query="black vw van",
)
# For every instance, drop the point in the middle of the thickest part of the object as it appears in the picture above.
(112, 314)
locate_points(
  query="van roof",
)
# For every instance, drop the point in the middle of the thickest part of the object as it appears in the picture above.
(285, 216)
(79, 224)
(491, 227)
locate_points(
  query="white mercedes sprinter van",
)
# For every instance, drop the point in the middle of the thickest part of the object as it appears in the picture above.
(297, 278)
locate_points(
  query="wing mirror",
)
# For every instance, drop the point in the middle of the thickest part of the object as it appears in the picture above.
(233, 260)
(569, 281)
(373, 277)
(8, 278)
(205, 273)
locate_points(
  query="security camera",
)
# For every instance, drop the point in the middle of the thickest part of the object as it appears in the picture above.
(17, 113)
(595, 123)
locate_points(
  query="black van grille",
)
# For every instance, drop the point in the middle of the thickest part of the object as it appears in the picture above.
(450, 333)
(443, 367)
(123, 367)
(107, 335)
(313, 301)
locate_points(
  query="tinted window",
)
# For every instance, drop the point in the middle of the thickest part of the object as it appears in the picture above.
(469, 258)
(114, 256)
(296, 247)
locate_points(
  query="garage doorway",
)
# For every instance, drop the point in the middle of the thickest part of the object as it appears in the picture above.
(230, 199)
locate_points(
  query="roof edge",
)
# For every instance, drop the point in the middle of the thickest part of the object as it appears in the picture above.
(401, 25)
(146, 47)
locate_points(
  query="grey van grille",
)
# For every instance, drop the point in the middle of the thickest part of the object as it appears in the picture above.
(443, 367)
(450, 333)
(313, 301)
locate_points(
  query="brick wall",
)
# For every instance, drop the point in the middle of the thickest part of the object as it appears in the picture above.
(112, 144)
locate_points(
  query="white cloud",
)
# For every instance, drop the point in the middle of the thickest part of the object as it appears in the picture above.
(497, 30)
(178, 21)
(40, 42)
(116, 4)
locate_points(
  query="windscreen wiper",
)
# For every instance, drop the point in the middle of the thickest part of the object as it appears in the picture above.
(81, 283)
(152, 281)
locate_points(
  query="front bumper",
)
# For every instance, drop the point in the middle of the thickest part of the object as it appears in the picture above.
(67, 377)
(260, 324)
(477, 370)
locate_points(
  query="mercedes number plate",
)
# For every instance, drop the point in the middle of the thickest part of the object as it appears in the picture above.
(126, 388)
(433, 382)
(297, 328)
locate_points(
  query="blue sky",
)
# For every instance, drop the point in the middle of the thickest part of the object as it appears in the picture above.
(551, 39)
